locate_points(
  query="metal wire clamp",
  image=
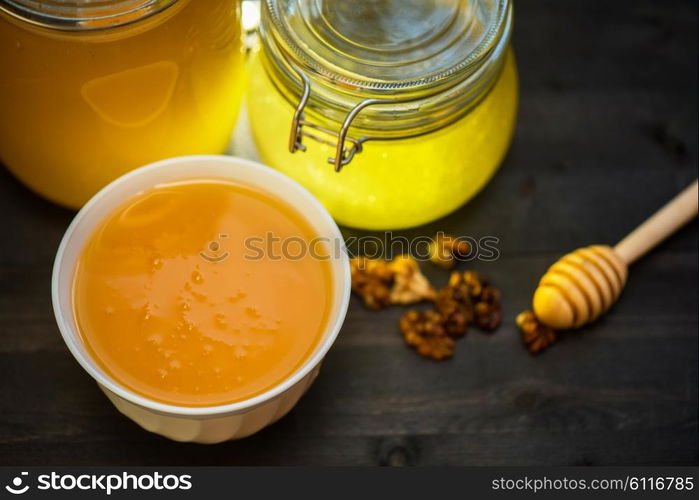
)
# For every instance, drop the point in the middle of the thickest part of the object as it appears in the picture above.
(343, 153)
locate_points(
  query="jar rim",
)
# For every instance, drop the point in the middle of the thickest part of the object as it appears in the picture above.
(323, 56)
(78, 16)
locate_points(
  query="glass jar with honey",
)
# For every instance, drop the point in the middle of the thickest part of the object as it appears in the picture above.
(92, 89)
(392, 112)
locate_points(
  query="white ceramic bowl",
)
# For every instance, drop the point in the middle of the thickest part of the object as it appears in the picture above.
(199, 424)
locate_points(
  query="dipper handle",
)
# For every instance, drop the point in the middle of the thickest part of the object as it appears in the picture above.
(677, 212)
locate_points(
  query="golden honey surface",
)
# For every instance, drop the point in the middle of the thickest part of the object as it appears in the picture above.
(81, 108)
(175, 304)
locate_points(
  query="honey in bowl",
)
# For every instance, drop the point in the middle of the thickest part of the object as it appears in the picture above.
(202, 293)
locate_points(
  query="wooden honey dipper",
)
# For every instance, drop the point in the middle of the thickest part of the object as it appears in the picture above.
(585, 283)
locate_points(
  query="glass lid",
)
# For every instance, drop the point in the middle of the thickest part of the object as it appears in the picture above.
(380, 45)
(82, 15)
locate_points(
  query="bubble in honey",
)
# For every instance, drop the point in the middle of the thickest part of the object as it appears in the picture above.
(240, 295)
(162, 372)
(253, 312)
(197, 278)
(155, 339)
(220, 320)
(174, 364)
(157, 263)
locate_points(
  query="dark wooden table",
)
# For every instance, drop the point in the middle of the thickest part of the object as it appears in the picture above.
(607, 133)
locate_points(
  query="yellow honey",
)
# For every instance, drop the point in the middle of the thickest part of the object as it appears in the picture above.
(81, 107)
(175, 302)
(396, 183)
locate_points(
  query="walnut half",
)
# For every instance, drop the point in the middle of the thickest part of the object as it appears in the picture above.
(381, 283)
(409, 285)
(424, 331)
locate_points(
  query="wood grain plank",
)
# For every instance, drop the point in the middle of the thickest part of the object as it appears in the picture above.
(607, 132)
